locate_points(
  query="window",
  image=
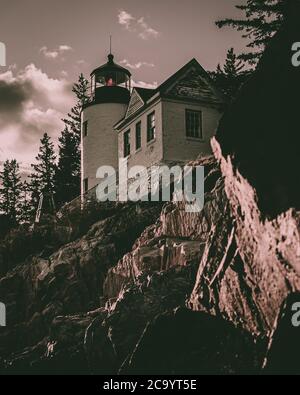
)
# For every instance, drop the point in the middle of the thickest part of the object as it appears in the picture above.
(126, 143)
(85, 128)
(151, 127)
(85, 185)
(193, 120)
(138, 135)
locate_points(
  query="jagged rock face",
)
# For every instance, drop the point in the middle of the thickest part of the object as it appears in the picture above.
(284, 347)
(200, 344)
(89, 308)
(70, 281)
(177, 239)
(261, 129)
(247, 271)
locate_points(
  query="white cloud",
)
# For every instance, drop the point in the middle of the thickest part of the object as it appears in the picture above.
(139, 25)
(7, 76)
(49, 54)
(126, 20)
(65, 48)
(81, 62)
(46, 91)
(55, 53)
(136, 66)
(147, 31)
(142, 84)
(31, 103)
(64, 73)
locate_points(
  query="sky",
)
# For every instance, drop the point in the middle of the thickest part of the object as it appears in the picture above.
(49, 43)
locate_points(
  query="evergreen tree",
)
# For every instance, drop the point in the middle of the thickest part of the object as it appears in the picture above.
(69, 163)
(43, 177)
(5, 188)
(230, 78)
(67, 174)
(10, 190)
(263, 18)
(26, 208)
(73, 122)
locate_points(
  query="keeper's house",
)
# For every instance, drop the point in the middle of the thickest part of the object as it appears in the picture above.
(173, 123)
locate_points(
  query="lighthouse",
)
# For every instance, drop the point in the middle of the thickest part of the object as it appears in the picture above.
(110, 95)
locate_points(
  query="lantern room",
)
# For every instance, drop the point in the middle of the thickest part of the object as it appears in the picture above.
(110, 83)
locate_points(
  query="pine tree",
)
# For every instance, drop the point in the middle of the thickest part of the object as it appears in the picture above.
(263, 20)
(232, 66)
(5, 188)
(73, 122)
(67, 177)
(42, 180)
(26, 208)
(230, 78)
(10, 190)
(69, 164)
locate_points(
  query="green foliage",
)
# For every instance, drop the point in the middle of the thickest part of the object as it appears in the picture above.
(42, 180)
(10, 191)
(67, 179)
(73, 121)
(26, 208)
(263, 18)
(231, 76)
(69, 162)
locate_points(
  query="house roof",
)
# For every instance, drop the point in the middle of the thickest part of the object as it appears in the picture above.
(210, 94)
(144, 93)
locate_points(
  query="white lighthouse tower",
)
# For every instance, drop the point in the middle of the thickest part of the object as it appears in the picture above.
(110, 95)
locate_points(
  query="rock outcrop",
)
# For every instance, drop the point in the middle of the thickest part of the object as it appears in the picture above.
(39, 292)
(215, 279)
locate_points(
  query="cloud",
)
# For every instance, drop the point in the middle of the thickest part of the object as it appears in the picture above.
(64, 73)
(65, 48)
(82, 62)
(142, 84)
(31, 103)
(126, 20)
(136, 66)
(12, 96)
(139, 25)
(55, 53)
(147, 31)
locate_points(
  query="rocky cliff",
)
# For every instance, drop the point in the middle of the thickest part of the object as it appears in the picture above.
(194, 293)
(150, 288)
